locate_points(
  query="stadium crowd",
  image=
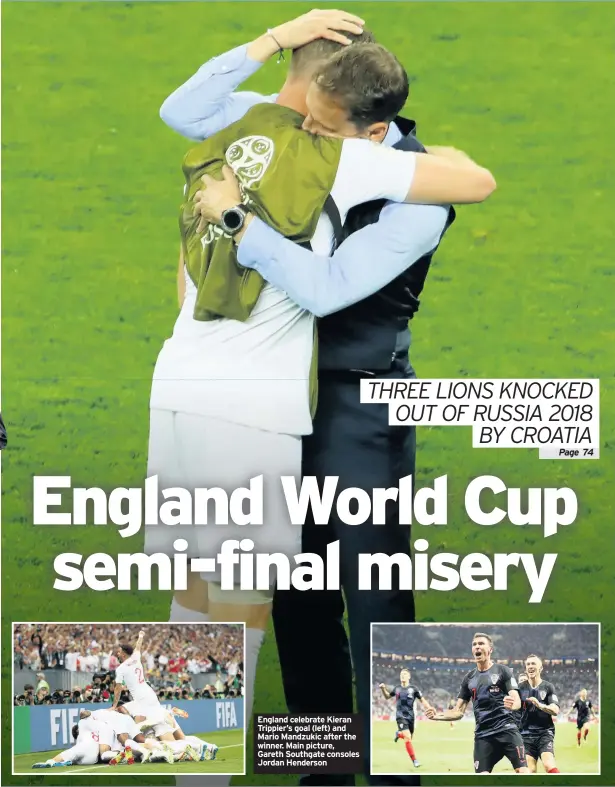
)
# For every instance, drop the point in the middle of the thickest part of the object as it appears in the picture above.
(565, 641)
(172, 655)
(440, 655)
(441, 683)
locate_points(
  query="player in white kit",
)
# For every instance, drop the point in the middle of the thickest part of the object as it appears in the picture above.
(129, 740)
(92, 739)
(184, 747)
(131, 675)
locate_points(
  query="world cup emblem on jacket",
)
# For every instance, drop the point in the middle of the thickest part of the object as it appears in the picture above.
(249, 159)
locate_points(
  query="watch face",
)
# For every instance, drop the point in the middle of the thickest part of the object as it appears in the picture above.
(233, 219)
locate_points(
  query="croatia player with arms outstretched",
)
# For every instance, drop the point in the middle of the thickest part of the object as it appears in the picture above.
(494, 694)
(405, 697)
(131, 675)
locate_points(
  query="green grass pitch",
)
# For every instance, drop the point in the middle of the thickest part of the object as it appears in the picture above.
(443, 749)
(230, 759)
(522, 286)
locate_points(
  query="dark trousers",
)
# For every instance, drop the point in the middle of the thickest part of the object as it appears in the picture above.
(355, 442)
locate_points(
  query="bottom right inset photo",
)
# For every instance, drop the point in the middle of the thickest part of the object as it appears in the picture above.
(481, 698)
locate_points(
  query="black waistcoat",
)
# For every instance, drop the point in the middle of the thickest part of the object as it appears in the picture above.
(370, 334)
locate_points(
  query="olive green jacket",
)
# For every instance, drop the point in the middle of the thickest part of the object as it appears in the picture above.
(285, 176)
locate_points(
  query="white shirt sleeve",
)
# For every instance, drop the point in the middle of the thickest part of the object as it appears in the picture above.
(368, 171)
(208, 101)
(323, 284)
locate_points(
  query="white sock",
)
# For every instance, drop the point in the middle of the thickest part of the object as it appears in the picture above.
(177, 746)
(108, 755)
(195, 742)
(181, 614)
(153, 744)
(137, 747)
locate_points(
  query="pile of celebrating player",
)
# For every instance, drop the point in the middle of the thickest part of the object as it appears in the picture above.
(514, 720)
(141, 730)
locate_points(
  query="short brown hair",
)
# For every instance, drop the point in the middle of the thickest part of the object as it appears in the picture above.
(484, 636)
(368, 81)
(533, 656)
(306, 58)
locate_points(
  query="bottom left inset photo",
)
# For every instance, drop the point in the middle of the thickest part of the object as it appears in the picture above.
(164, 698)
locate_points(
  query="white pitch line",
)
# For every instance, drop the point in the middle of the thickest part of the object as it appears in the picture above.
(105, 767)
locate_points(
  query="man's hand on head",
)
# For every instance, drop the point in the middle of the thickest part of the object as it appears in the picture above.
(318, 24)
(215, 197)
(303, 30)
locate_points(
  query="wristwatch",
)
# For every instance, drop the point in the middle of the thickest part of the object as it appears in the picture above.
(233, 219)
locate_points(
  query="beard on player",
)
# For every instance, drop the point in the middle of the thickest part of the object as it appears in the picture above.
(123, 652)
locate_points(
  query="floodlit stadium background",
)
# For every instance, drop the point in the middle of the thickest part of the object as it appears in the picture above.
(440, 656)
(521, 286)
